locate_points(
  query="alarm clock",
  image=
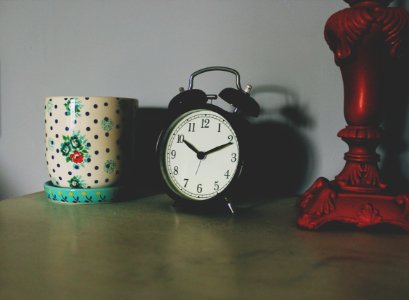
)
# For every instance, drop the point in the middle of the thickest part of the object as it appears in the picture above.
(202, 149)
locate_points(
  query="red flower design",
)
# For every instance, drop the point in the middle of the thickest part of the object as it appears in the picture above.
(77, 157)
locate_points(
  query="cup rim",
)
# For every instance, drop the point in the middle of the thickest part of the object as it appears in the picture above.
(116, 98)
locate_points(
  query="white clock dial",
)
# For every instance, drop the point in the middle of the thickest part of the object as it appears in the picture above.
(201, 155)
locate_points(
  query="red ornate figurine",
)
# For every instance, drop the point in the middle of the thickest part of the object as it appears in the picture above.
(371, 45)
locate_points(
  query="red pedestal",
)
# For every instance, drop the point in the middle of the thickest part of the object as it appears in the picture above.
(371, 45)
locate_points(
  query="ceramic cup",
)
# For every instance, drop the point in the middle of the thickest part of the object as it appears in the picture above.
(89, 140)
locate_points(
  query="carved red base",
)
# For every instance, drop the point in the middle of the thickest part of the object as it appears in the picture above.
(370, 42)
(324, 202)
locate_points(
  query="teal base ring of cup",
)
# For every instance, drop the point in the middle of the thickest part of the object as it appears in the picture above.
(83, 196)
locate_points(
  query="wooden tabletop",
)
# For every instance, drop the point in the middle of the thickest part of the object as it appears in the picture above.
(144, 249)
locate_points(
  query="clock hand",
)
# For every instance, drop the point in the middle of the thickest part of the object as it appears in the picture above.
(218, 148)
(200, 161)
(200, 155)
(191, 146)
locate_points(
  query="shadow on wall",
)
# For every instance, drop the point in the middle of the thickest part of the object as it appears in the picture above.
(402, 3)
(280, 158)
(146, 174)
(394, 146)
(395, 166)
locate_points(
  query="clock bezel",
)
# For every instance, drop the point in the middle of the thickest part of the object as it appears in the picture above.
(240, 127)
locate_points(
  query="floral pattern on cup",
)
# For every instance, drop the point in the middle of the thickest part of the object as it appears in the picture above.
(76, 182)
(50, 106)
(73, 105)
(51, 144)
(107, 124)
(110, 166)
(75, 148)
(54, 181)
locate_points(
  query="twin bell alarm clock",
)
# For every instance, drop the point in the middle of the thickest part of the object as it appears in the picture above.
(202, 148)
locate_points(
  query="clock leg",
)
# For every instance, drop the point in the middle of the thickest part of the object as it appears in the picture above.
(207, 207)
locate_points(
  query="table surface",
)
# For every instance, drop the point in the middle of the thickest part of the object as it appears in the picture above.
(144, 249)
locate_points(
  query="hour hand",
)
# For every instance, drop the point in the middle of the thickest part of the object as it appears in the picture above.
(218, 148)
(191, 146)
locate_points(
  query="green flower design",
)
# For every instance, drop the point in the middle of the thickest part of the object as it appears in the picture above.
(76, 182)
(54, 181)
(109, 166)
(75, 142)
(73, 105)
(51, 144)
(50, 105)
(107, 124)
(65, 148)
(75, 149)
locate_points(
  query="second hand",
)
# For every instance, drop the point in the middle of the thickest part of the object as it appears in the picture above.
(198, 167)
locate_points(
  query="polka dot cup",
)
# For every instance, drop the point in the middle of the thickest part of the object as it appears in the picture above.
(88, 140)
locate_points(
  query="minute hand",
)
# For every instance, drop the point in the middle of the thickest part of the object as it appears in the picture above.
(218, 148)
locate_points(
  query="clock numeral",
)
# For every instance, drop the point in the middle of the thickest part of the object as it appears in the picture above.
(181, 138)
(175, 170)
(205, 123)
(216, 186)
(173, 154)
(227, 174)
(199, 188)
(186, 181)
(230, 137)
(192, 127)
(233, 157)
(219, 127)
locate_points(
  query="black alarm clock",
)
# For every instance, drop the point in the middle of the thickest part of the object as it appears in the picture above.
(202, 149)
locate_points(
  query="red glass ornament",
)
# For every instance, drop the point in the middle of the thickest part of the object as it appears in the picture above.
(371, 45)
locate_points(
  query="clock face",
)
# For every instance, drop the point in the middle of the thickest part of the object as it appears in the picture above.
(201, 155)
